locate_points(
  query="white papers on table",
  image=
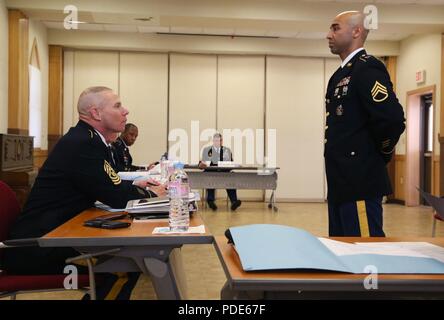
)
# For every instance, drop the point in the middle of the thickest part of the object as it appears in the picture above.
(134, 175)
(159, 204)
(155, 170)
(419, 248)
(191, 230)
(154, 173)
(340, 248)
(227, 164)
(410, 249)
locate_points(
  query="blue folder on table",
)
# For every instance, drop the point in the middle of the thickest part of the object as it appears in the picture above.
(276, 247)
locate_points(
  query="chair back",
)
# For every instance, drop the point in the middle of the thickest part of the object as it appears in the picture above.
(437, 203)
(9, 209)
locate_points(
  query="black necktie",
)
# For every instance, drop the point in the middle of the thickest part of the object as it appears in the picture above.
(111, 156)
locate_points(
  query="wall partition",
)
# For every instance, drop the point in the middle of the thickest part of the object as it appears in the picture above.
(273, 105)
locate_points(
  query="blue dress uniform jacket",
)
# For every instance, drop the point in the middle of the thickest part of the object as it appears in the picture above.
(76, 174)
(364, 121)
(122, 157)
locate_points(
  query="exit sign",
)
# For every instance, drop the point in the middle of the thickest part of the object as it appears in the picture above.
(420, 76)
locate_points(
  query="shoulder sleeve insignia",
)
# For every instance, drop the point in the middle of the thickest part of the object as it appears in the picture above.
(379, 92)
(111, 173)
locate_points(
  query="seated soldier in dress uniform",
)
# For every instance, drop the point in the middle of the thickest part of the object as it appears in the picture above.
(120, 148)
(364, 123)
(77, 173)
(215, 153)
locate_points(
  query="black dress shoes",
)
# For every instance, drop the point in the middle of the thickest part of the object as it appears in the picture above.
(236, 204)
(212, 205)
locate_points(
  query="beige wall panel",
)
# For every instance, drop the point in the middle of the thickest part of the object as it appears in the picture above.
(94, 68)
(295, 108)
(192, 98)
(330, 66)
(419, 52)
(144, 92)
(240, 97)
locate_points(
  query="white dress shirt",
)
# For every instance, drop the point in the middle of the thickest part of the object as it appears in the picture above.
(350, 56)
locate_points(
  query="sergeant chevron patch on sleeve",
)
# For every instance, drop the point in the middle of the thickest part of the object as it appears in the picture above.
(379, 92)
(111, 173)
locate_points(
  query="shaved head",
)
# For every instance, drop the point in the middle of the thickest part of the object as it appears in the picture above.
(90, 97)
(355, 19)
(101, 108)
(347, 33)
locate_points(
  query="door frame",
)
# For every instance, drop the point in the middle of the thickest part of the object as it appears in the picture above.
(412, 170)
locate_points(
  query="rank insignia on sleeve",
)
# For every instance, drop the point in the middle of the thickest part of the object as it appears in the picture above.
(111, 173)
(379, 92)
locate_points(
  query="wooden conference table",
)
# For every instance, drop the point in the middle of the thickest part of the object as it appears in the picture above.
(321, 285)
(137, 249)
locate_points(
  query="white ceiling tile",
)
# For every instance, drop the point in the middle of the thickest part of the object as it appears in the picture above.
(149, 29)
(91, 27)
(53, 25)
(186, 30)
(120, 28)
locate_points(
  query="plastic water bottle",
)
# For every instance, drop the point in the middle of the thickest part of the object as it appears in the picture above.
(178, 187)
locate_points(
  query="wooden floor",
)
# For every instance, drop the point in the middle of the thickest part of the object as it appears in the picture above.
(204, 273)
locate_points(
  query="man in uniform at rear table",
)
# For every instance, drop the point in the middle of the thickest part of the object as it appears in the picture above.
(120, 148)
(215, 153)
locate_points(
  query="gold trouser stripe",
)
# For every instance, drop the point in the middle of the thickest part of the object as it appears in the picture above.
(117, 286)
(362, 216)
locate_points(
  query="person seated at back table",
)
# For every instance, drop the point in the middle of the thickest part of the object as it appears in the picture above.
(215, 153)
(120, 147)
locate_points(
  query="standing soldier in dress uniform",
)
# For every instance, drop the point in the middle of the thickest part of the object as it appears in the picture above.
(76, 174)
(363, 124)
